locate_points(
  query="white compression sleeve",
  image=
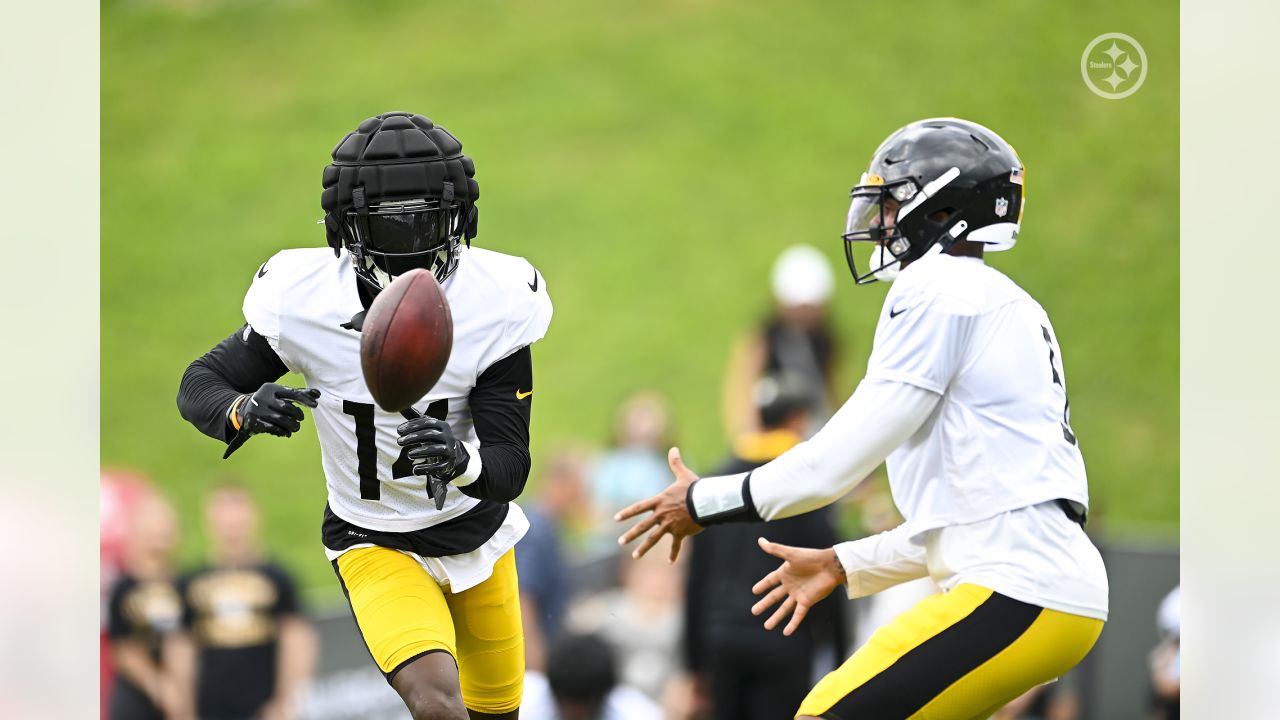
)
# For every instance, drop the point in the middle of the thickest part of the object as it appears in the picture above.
(881, 561)
(874, 421)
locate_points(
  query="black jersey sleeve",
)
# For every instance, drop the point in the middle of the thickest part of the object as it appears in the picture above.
(239, 364)
(500, 405)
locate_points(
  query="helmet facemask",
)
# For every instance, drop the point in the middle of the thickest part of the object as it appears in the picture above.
(873, 219)
(923, 221)
(393, 237)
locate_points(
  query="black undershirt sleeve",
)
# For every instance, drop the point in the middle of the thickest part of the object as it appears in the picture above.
(500, 404)
(238, 365)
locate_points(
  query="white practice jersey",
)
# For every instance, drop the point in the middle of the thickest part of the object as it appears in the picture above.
(1000, 438)
(965, 400)
(299, 301)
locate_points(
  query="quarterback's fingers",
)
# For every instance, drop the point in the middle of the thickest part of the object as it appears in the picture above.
(676, 542)
(649, 542)
(784, 552)
(766, 582)
(677, 465)
(638, 529)
(635, 509)
(796, 618)
(781, 613)
(768, 600)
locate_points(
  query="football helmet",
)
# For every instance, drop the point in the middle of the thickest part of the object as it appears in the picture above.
(399, 195)
(930, 185)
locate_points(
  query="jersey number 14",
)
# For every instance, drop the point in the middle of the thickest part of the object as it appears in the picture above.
(367, 446)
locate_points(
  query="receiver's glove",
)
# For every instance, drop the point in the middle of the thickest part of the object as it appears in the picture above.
(269, 410)
(433, 448)
(435, 453)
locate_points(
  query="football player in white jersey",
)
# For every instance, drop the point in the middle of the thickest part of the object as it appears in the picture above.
(965, 397)
(419, 526)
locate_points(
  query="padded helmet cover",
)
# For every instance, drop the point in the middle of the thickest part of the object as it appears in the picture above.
(396, 156)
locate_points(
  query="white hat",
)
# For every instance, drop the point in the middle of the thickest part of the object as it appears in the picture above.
(802, 276)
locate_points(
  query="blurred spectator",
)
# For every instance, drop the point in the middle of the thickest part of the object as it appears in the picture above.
(545, 579)
(581, 683)
(641, 620)
(636, 466)
(143, 613)
(742, 671)
(246, 649)
(796, 338)
(1166, 659)
(118, 494)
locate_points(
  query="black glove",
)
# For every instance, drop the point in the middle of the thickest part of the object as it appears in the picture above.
(434, 450)
(270, 410)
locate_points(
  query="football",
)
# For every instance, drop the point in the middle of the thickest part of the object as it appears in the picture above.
(406, 340)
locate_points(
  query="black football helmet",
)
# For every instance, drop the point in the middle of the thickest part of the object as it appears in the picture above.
(930, 185)
(399, 195)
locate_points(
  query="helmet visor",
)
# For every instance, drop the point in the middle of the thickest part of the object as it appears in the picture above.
(395, 237)
(874, 210)
(402, 228)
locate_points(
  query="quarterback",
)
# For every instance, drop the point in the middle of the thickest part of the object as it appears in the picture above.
(965, 397)
(428, 568)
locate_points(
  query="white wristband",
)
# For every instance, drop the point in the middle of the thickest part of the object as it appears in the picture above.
(721, 498)
(472, 472)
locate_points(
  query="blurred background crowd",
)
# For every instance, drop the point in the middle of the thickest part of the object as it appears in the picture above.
(606, 637)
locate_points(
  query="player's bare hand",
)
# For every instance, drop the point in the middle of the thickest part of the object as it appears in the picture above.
(805, 577)
(669, 512)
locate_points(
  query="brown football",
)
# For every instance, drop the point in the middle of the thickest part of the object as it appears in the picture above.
(406, 340)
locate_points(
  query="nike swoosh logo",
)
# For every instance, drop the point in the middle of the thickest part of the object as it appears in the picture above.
(534, 285)
(523, 395)
(895, 312)
(262, 270)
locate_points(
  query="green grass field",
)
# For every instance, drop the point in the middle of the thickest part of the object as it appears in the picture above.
(651, 159)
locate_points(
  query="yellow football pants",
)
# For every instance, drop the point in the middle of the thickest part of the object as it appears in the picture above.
(402, 613)
(958, 655)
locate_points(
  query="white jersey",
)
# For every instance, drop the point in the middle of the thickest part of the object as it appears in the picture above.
(965, 399)
(1000, 438)
(300, 300)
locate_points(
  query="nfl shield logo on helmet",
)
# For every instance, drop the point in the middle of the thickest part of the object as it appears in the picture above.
(1002, 207)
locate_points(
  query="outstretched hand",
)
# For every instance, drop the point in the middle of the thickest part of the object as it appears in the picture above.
(670, 513)
(805, 577)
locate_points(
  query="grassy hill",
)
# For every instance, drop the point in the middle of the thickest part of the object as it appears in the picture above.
(652, 159)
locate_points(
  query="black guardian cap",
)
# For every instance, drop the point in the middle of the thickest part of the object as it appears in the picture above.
(399, 194)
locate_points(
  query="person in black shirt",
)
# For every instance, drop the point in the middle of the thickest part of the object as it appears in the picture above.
(747, 672)
(247, 648)
(795, 338)
(143, 610)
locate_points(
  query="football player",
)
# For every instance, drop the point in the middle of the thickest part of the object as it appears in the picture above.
(419, 524)
(966, 398)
